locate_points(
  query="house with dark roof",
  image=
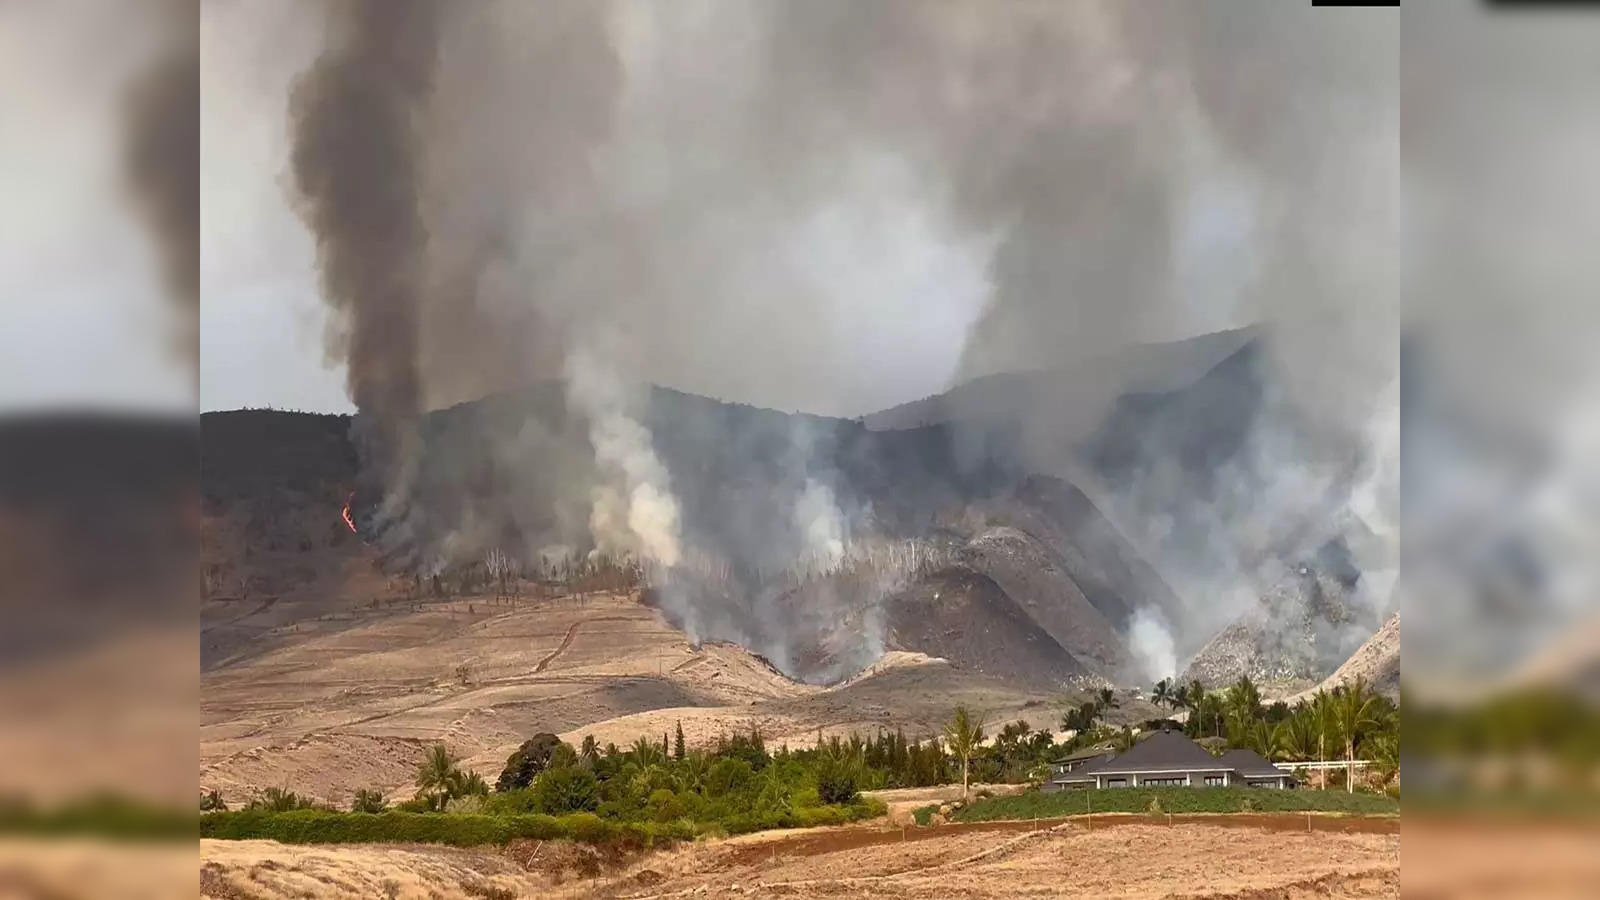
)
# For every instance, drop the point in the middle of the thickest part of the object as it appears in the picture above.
(1077, 760)
(1168, 759)
(1254, 770)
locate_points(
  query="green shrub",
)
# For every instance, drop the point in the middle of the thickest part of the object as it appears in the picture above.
(728, 776)
(664, 806)
(101, 815)
(525, 764)
(836, 781)
(566, 789)
(366, 801)
(419, 804)
(468, 804)
(813, 816)
(280, 800)
(518, 802)
(314, 826)
(588, 827)
(1037, 804)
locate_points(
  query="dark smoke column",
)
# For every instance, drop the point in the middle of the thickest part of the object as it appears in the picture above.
(354, 126)
(161, 160)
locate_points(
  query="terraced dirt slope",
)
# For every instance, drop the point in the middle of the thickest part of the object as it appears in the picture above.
(352, 700)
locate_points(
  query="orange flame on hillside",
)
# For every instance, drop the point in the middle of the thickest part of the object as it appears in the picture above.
(345, 514)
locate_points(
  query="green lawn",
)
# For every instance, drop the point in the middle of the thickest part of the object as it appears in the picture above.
(1036, 804)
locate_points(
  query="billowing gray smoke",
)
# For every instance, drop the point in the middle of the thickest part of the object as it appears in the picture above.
(838, 206)
(162, 161)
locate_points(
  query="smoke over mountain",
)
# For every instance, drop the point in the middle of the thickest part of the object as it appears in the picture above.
(840, 206)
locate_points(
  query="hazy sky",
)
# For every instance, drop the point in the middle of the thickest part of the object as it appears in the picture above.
(86, 322)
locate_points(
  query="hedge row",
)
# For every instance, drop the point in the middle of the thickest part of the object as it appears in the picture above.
(316, 826)
(1037, 804)
(108, 817)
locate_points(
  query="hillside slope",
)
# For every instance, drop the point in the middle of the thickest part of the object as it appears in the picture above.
(1034, 581)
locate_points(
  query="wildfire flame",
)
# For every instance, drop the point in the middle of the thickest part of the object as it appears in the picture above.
(345, 514)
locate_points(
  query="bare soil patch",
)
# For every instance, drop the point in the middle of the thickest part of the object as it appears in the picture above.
(1235, 856)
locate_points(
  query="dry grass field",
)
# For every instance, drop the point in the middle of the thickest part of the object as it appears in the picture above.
(1122, 857)
(349, 699)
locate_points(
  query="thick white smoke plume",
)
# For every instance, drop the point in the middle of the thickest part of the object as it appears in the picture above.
(822, 527)
(634, 512)
(1150, 640)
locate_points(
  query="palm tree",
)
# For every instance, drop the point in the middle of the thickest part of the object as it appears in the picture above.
(692, 771)
(1161, 694)
(645, 752)
(1322, 714)
(1210, 708)
(437, 774)
(1385, 751)
(1124, 740)
(1295, 740)
(1107, 699)
(1244, 697)
(368, 801)
(589, 751)
(964, 733)
(1258, 736)
(468, 784)
(773, 790)
(1180, 697)
(280, 799)
(1357, 711)
(1195, 697)
(1080, 719)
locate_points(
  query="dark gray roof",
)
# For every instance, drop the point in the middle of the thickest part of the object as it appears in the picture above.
(1250, 764)
(1164, 751)
(1086, 753)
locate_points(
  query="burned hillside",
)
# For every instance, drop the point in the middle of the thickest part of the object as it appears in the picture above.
(820, 543)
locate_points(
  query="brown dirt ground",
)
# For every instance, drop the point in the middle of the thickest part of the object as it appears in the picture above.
(903, 801)
(1123, 857)
(85, 869)
(1501, 858)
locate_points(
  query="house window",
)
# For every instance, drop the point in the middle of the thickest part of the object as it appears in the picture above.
(1116, 782)
(1164, 782)
(1216, 780)
(1265, 784)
